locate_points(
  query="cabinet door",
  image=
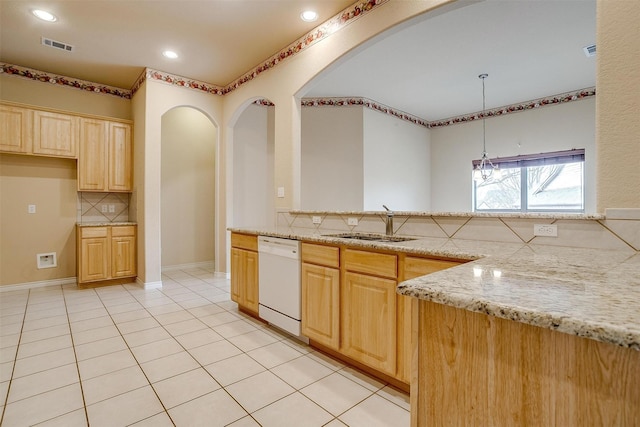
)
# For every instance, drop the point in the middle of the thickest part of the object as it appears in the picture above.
(120, 153)
(251, 281)
(15, 129)
(55, 134)
(94, 259)
(123, 256)
(92, 159)
(321, 304)
(244, 278)
(368, 320)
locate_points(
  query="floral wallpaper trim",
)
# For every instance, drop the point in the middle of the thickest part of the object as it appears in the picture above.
(515, 108)
(175, 80)
(368, 103)
(321, 32)
(264, 102)
(43, 76)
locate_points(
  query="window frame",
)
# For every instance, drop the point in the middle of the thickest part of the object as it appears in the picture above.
(524, 162)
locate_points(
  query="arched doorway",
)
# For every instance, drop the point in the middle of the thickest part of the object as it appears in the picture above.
(188, 154)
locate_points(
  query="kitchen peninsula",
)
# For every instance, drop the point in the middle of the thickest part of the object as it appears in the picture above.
(522, 334)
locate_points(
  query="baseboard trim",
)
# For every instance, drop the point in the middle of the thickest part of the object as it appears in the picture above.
(222, 275)
(149, 285)
(205, 264)
(39, 284)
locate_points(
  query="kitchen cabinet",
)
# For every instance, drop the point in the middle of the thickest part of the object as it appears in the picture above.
(105, 158)
(368, 309)
(16, 127)
(411, 267)
(321, 294)
(106, 252)
(31, 131)
(55, 134)
(244, 271)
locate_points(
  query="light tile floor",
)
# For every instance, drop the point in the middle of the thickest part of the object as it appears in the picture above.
(182, 355)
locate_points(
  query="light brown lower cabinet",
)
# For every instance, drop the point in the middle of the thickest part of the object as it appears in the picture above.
(244, 271)
(350, 304)
(368, 324)
(106, 252)
(321, 304)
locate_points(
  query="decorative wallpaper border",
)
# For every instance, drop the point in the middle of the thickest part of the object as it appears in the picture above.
(45, 77)
(515, 108)
(321, 32)
(365, 102)
(176, 80)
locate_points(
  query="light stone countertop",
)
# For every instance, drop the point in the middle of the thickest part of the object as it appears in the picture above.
(104, 224)
(590, 293)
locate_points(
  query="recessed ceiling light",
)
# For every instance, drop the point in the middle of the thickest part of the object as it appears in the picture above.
(44, 15)
(170, 54)
(309, 16)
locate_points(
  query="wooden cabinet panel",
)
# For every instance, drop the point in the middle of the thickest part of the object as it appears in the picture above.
(368, 321)
(120, 154)
(244, 241)
(371, 263)
(320, 254)
(321, 304)
(412, 267)
(55, 134)
(16, 125)
(106, 253)
(92, 161)
(244, 278)
(105, 159)
(94, 259)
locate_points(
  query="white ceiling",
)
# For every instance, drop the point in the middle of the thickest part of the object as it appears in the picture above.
(427, 67)
(430, 67)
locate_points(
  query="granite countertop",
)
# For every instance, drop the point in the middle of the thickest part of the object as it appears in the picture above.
(590, 293)
(104, 224)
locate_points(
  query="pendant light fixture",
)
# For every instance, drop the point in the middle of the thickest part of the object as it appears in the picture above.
(485, 169)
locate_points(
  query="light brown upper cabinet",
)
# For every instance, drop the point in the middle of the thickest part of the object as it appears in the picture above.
(55, 134)
(16, 127)
(44, 133)
(104, 161)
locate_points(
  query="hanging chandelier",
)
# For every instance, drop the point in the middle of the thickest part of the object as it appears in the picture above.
(485, 169)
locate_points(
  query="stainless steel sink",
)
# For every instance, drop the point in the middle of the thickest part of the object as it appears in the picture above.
(370, 237)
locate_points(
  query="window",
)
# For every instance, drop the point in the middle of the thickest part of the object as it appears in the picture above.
(548, 182)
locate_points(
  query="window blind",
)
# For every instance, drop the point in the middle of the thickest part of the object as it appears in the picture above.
(542, 159)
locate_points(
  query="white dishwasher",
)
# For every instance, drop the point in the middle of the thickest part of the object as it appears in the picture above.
(279, 283)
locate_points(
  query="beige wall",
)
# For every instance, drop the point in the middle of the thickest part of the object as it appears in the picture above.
(188, 178)
(618, 104)
(31, 92)
(50, 184)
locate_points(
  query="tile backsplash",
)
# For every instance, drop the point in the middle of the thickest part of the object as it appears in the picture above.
(103, 207)
(589, 232)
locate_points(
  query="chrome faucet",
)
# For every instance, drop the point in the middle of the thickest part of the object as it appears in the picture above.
(389, 221)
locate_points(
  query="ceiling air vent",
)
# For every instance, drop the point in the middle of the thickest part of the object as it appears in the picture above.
(57, 45)
(590, 50)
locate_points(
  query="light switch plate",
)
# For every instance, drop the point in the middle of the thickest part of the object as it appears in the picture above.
(31, 209)
(316, 219)
(280, 192)
(352, 221)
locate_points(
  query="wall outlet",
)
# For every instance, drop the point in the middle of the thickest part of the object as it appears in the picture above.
(352, 221)
(280, 192)
(547, 230)
(46, 260)
(104, 208)
(112, 209)
(31, 209)
(316, 219)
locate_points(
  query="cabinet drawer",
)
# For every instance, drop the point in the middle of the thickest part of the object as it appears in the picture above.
(123, 230)
(244, 241)
(416, 267)
(371, 263)
(322, 255)
(91, 232)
